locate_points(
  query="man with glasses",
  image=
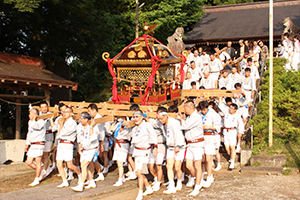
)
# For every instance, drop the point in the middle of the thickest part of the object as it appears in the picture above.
(66, 136)
(193, 128)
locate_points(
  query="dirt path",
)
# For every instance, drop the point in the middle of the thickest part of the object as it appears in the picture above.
(227, 185)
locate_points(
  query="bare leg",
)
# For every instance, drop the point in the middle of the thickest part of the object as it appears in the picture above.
(91, 169)
(30, 163)
(84, 170)
(97, 166)
(140, 179)
(190, 167)
(105, 158)
(46, 159)
(61, 169)
(152, 169)
(170, 172)
(54, 155)
(72, 167)
(159, 172)
(228, 150)
(198, 164)
(218, 156)
(178, 169)
(233, 153)
(239, 137)
(121, 169)
(209, 159)
(146, 183)
(131, 163)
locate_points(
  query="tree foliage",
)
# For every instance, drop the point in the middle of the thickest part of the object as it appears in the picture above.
(24, 5)
(170, 14)
(286, 103)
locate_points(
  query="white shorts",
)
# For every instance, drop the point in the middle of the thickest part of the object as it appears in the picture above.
(178, 156)
(159, 159)
(35, 150)
(130, 151)
(140, 161)
(218, 141)
(194, 153)
(209, 144)
(230, 139)
(106, 146)
(87, 155)
(64, 152)
(120, 156)
(248, 95)
(209, 149)
(48, 146)
(244, 111)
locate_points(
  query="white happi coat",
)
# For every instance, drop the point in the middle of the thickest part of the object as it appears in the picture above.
(173, 134)
(208, 83)
(193, 129)
(83, 134)
(36, 132)
(68, 132)
(142, 137)
(231, 121)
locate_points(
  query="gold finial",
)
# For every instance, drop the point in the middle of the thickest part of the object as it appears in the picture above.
(148, 29)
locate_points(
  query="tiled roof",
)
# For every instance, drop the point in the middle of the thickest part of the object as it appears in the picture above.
(28, 71)
(242, 21)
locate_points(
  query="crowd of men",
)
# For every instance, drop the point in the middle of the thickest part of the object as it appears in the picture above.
(224, 68)
(187, 143)
(227, 69)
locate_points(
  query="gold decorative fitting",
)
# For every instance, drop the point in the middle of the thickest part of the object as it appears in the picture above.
(166, 54)
(131, 54)
(138, 48)
(105, 56)
(142, 54)
(159, 54)
(185, 53)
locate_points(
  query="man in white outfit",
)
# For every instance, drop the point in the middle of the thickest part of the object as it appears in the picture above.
(36, 140)
(143, 137)
(288, 50)
(66, 137)
(233, 124)
(211, 126)
(175, 148)
(49, 141)
(193, 128)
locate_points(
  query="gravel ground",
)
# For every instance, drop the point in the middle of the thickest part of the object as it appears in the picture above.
(227, 185)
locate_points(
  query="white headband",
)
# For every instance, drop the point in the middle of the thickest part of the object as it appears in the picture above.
(162, 113)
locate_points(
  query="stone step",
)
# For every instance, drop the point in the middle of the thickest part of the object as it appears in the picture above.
(262, 170)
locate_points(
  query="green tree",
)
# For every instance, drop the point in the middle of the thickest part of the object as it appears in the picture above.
(24, 5)
(286, 113)
(170, 14)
